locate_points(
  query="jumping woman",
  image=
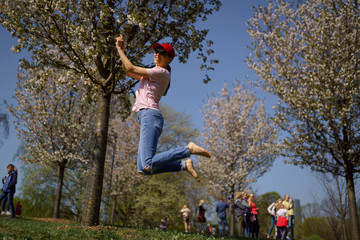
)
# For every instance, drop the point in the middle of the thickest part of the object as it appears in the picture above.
(154, 83)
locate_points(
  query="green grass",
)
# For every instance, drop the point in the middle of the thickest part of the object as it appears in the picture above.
(22, 228)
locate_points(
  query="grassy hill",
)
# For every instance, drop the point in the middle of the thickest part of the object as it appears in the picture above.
(49, 228)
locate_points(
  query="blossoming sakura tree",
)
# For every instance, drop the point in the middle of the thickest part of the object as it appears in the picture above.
(308, 56)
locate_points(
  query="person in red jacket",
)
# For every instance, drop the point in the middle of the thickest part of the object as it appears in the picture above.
(18, 210)
(254, 222)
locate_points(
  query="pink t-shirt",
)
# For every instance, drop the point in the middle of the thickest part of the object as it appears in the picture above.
(151, 89)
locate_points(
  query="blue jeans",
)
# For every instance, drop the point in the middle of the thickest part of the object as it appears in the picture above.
(272, 224)
(247, 224)
(9, 197)
(151, 125)
(281, 233)
(290, 226)
(220, 221)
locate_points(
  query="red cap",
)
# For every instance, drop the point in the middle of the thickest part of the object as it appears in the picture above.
(167, 47)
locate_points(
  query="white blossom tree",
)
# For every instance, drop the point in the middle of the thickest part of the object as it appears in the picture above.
(308, 56)
(54, 120)
(241, 139)
(79, 36)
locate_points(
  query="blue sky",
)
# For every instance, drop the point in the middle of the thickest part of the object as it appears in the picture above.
(188, 92)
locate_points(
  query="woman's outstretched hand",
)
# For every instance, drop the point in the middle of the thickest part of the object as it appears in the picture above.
(119, 42)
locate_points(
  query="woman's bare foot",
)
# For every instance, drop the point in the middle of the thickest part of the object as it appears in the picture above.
(191, 170)
(148, 169)
(195, 149)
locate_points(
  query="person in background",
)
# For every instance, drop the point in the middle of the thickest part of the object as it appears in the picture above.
(246, 211)
(289, 206)
(281, 222)
(254, 222)
(242, 210)
(209, 229)
(239, 214)
(221, 213)
(213, 230)
(18, 210)
(8, 213)
(186, 211)
(201, 219)
(8, 189)
(272, 210)
(164, 222)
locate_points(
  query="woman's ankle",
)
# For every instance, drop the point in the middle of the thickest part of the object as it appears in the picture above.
(190, 169)
(197, 150)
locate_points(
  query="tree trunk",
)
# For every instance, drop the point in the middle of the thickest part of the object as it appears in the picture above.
(343, 227)
(59, 189)
(354, 220)
(109, 187)
(113, 211)
(96, 174)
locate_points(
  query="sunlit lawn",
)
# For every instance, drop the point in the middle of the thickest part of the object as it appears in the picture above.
(47, 228)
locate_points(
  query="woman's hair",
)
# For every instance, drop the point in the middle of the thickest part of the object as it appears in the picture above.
(250, 195)
(167, 88)
(12, 167)
(286, 197)
(185, 206)
(278, 204)
(169, 69)
(201, 202)
(240, 194)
